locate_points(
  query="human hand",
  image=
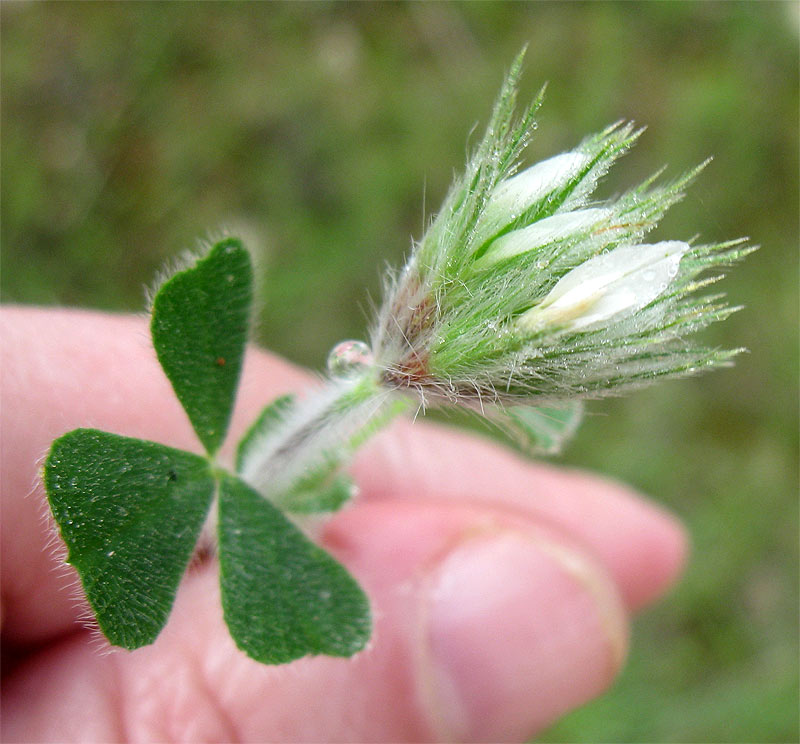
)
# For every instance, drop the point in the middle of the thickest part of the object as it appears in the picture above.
(501, 589)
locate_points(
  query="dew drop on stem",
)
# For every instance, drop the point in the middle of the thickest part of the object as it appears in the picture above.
(349, 358)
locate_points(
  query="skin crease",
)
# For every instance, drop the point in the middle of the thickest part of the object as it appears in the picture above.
(501, 589)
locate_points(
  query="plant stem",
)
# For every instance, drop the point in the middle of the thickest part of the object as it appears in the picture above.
(318, 436)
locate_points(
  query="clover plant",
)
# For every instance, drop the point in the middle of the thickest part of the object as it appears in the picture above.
(523, 298)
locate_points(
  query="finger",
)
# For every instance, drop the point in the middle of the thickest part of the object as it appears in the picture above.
(488, 627)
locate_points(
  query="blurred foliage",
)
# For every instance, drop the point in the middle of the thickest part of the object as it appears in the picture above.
(312, 131)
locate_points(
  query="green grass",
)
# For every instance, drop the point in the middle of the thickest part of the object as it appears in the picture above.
(129, 130)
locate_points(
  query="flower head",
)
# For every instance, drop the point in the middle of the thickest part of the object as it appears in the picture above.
(523, 291)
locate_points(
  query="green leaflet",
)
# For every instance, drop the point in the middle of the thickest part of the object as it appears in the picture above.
(270, 418)
(199, 326)
(323, 488)
(283, 597)
(130, 513)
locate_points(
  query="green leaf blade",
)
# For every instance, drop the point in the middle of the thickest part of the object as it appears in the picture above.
(270, 418)
(323, 491)
(130, 512)
(283, 596)
(200, 324)
(321, 488)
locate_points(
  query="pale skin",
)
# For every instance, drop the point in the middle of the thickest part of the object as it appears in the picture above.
(501, 589)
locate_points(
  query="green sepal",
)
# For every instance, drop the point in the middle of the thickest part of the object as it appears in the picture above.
(283, 596)
(200, 326)
(130, 512)
(271, 416)
(532, 430)
(542, 430)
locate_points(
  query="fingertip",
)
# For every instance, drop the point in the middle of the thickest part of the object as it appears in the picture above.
(645, 546)
(669, 548)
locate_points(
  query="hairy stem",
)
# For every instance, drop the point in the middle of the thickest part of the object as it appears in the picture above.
(308, 448)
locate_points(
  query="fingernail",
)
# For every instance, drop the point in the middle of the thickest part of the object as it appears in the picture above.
(516, 631)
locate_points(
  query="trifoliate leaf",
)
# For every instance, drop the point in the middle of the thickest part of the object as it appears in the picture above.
(199, 326)
(130, 513)
(282, 595)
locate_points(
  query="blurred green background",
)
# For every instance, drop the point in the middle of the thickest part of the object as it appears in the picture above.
(130, 130)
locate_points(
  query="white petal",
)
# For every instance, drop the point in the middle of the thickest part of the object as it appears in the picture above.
(543, 232)
(525, 189)
(516, 195)
(610, 286)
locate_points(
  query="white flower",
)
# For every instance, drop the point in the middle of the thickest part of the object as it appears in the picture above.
(607, 288)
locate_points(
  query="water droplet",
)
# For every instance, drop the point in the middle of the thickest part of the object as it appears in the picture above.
(349, 358)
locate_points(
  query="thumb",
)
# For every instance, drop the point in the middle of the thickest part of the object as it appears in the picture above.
(488, 627)
(500, 625)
